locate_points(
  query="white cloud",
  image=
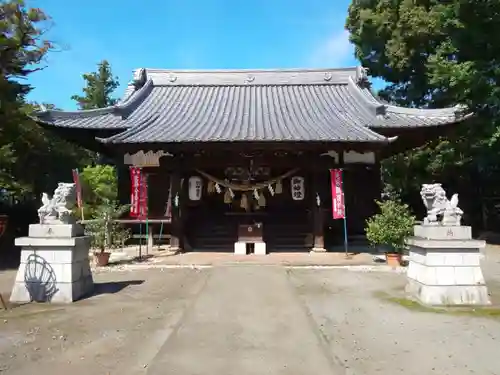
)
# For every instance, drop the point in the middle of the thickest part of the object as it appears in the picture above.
(334, 51)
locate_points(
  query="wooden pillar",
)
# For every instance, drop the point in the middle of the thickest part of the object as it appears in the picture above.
(176, 224)
(123, 181)
(317, 214)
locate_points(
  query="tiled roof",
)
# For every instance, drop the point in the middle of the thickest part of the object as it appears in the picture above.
(267, 105)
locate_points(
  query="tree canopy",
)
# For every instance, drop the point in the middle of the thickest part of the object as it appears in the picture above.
(99, 86)
(437, 54)
(32, 159)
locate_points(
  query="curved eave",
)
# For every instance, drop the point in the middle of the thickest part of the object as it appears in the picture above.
(113, 117)
(389, 116)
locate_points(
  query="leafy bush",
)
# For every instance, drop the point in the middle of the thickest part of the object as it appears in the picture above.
(103, 229)
(100, 187)
(391, 226)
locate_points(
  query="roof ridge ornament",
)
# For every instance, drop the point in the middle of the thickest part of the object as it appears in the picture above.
(250, 78)
(139, 78)
(361, 75)
(328, 76)
(172, 77)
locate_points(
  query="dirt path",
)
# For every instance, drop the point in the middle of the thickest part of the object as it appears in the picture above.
(116, 333)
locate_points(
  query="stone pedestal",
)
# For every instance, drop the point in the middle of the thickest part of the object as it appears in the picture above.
(444, 266)
(54, 265)
(260, 248)
(240, 248)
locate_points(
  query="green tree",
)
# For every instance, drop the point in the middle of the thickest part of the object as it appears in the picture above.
(437, 54)
(99, 88)
(22, 48)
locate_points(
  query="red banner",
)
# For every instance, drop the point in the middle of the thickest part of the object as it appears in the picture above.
(338, 206)
(143, 205)
(135, 191)
(76, 181)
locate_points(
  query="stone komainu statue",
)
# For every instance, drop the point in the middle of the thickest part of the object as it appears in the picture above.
(58, 209)
(438, 206)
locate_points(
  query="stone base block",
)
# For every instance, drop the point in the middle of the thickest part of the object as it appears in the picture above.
(55, 230)
(446, 272)
(448, 294)
(443, 232)
(318, 250)
(52, 270)
(260, 248)
(59, 292)
(240, 248)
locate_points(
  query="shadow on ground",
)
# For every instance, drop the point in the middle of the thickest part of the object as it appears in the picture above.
(112, 287)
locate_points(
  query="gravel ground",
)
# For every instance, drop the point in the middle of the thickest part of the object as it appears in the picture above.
(373, 336)
(150, 321)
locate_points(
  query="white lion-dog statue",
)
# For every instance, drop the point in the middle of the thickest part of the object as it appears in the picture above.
(437, 205)
(58, 209)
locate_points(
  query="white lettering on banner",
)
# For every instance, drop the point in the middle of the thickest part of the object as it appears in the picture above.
(337, 194)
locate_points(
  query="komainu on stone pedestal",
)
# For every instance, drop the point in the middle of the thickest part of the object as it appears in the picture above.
(54, 263)
(444, 266)
(437, 205)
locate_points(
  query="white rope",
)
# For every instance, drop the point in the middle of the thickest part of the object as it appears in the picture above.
(244, 187)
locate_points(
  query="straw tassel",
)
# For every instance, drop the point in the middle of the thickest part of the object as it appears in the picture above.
(279, 187)
(244, 202)
(227, 196)
(210, 187)
(262, 200)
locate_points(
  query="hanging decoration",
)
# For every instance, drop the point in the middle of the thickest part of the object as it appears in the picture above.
(195, 186)
(256, 194)
(262, 201)
(279, 187)
(176, 200)
(244, 202)
(211, 187)
(247, 186)
(227, 196)
(217, 188)
(271, 189)
(297, 188)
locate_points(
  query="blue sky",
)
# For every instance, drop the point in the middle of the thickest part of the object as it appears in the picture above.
(186, 34)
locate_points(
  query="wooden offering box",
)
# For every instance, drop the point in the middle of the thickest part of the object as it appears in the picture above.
(250, 233)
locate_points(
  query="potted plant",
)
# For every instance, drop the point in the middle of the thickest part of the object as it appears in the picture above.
(389, 229)
(105, 232)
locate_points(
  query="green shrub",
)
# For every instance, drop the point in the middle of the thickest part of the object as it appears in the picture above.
(391, 226)
(99, 186)
(104, 231)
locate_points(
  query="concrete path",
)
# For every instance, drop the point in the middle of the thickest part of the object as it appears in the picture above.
(247, 320)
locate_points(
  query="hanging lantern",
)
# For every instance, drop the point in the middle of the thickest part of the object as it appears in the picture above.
(297, 188)
(195, 186)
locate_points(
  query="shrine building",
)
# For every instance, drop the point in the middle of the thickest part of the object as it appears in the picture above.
(226, 150)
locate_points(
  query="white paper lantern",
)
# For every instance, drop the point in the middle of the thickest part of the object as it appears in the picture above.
(195, 188)
(298, 188)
